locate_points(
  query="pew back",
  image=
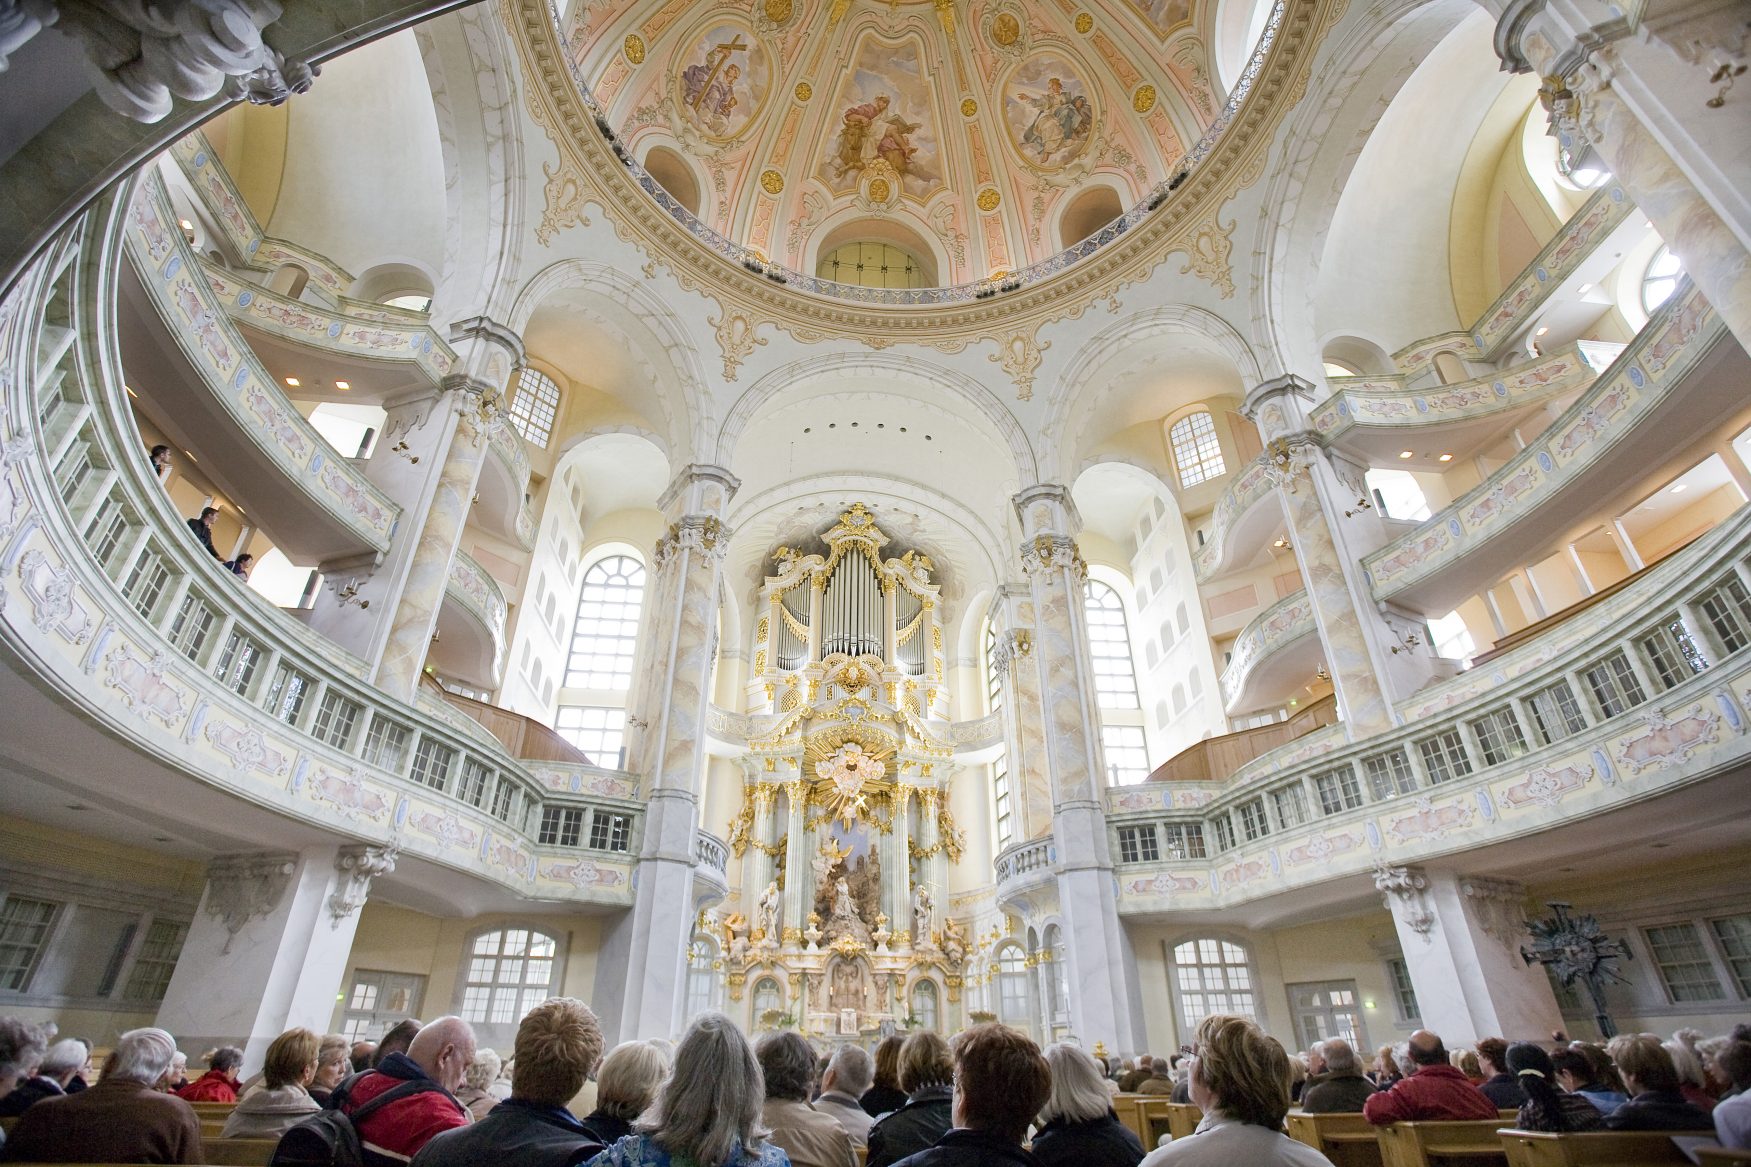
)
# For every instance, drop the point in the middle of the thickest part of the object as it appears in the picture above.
(1436, 1144)
(1347, 1139)
(1182, 1119)
(238, 1152)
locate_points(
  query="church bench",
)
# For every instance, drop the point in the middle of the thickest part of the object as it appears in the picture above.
(1126, 1107)
(1182, 1119)
(1346, 1138)
(218, 1110)
(1434, 1144)
(1154, 1113)
(238, 1152)
(1590, 1148)
(1722, 1155)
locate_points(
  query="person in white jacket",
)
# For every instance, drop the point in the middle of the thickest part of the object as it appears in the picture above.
(283, 1099)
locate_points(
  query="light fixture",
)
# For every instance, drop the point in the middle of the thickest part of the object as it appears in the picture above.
(343, 385)
(1320, 673)
(1584, 289)
(1446, 458)
(402, 449)
(185, 224)
(131, 392)
(1405, 454)
(189, 456)
(1680, 488)
(292, 381)
(1542, 331)
(1281, 543)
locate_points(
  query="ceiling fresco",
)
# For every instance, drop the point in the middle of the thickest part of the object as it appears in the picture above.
(961, 132)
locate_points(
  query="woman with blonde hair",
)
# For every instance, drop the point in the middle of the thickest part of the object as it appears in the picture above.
(708, 1115)
(1078, 1127)
(626, 1085)
(283, 1100)
(481, 1073)
(1240, 1078)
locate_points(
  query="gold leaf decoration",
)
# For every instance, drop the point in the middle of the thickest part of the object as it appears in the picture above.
(879, 190)
(1005, 29)
(778, 11)
(1084, 23)
(969, 107)
(771, 182)
(634, 48)
(1144, 99)
(988, 199)
(804, 91)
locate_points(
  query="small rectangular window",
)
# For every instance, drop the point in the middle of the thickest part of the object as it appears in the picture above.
(1684, 964)
(534, 406)
(1498, 735)
(1223, 828)
(1000, 794)
(1444, 756)
(1728, 610)
(156, 961)
(146, 583)
(1185, 841)
(1290, 803)
(610, 831)
(238, 662)
(1556, 713)
(289, 694)
(1138, 844)
(1126, 754)
(104, 533)
(1390, 774)
(1614, 685)
(386, 744)
(561, 826)
(1404, 994)
(192, 624)
(504, 800)
(1674, 656)
(337, 718)
(1253, 823)
(24, 930)
(432, 763)
(1733, 933)
(1338, 790)
(476, 776)
(598, 730)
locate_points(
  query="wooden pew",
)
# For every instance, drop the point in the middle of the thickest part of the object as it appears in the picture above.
(1155, 1116)
(1590, 1148)
(1347, 1139)
(1722, 1155)
(238, 1152)
(1436, 1144)
(1183, 1119)
(218, 1110)
(1125, 1106)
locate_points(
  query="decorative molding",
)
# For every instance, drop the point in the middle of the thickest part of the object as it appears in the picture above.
(704, 534)
(1405, 892)
(1053, 553)
(1499, 906)
(243, 887)
(357, 867)
(1207, 252)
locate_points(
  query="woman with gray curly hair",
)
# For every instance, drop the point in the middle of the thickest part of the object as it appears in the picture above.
(481, 1073)
(706, 1115)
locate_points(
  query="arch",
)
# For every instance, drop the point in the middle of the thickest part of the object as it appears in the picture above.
(766, 996)
(386, 281)
(289, 279)
(1362, 356)
(1209, 972)
(1090, 209)
(924, 1002)
(671, 170)
(902, 226)
(498, 983)
(1196, 448)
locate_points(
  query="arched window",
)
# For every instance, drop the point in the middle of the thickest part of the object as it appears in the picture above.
(1115, 678)
(924, 1009)
(1661, 278)
(872, 263)
(606, 631)
(1012, 994)
(701, 979)
(535, 406)
(510, 971)
(993, 674)
(1212, 976)
(1196, 450)
(1057, 974)
(768, 1001)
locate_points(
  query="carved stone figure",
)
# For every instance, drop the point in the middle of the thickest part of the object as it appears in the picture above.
(766, 913)
(923, 909)
(954, 943)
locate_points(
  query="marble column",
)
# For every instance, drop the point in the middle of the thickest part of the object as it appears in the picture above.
(268, 947)
(1460, 936)
(798, 895)
(487, 352)
(1024, 719)
(897, 903)
(641, 979)
(1638, 90)
(1105, 1000)
(1320, 494)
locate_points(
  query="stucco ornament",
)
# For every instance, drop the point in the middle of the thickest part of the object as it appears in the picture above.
(849, 769)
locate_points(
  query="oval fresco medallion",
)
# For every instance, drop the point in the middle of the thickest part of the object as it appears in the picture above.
(1048, 112)
(722, 77)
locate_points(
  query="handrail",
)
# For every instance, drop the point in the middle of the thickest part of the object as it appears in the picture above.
(1251, 486)
(479, 593)
(1281, 624)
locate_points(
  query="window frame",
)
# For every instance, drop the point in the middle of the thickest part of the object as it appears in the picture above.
(1197, 449)
(465, 979)
(618, 575)
(1184, 1018)
(536, 419)
(1098, 612)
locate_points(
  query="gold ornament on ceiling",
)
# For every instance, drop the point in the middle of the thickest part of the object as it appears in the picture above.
(969, 107)
(771, 182)
(1144, 99)
(778, 11)
(1005, 29)
(634, 48)
(989, 199)
(1084, 23)
(804, 91)
(879, 190)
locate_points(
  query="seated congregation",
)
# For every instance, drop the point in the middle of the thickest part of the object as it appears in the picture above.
(987, 1097)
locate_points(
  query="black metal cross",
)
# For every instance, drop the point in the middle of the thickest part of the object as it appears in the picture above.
(1577, 949)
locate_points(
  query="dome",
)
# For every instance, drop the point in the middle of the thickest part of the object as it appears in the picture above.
(901, 144)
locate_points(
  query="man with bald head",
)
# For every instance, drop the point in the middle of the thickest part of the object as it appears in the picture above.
(1437, 1091)
(424, 1104)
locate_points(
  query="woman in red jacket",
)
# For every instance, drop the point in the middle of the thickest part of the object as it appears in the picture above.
(219, 1083)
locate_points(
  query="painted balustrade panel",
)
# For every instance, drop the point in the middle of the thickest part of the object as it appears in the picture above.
(1414, 359)
(338, 332)
(1160, 796)
(1281, 624)
(475, 588)
(1598, 217)
(1366, 401)
(1636, 383)
(581, 778)
(188, 307)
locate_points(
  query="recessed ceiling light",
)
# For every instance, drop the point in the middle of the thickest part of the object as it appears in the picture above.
(1680, 488)
(185, 224)
(292, 381)
(1542, 331)
(343, 385)
(77, 806)
(1585, 288)
(1446, 457)
(1405, 454)
(808, 429)
(162, 839)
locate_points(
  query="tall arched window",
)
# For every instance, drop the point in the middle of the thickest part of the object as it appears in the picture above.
(767, 1001)
(1110, 642)
(924, 1004)
(606, 631)
(701, 978)
(1660, 278)
(535, 406)
(1196, 450)
(1212, 976)
(993, 674)
(1012, 994)
(510, 971)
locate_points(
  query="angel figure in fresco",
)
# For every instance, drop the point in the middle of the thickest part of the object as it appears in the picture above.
(708, 89)
(1061, 121)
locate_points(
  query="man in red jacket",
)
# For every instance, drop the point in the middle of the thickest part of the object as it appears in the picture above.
(393, 1134)
(1436, 1092)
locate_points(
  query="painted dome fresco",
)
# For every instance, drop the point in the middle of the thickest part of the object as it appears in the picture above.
(901, 144)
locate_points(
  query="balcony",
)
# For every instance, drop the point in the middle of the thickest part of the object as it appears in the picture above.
(1025, 875)
(469, 643)
(711, 862)
(1272, 657)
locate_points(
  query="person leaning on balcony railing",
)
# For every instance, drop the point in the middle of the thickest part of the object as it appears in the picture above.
(203, 529)
(160, 459)
(241, 566)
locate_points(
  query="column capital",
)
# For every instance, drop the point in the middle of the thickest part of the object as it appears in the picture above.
(241, 888)
(1290, 394)
(700, 488)
(1045, 508)
(700, 533)
(485, 328)
(1048, 553)
(1405, 891)
(1498, 904)
(356, 868)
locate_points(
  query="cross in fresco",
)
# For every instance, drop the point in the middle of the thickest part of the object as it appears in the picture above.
(1576, 949)
(719, 55)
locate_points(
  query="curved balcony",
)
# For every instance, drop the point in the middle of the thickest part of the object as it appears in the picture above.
(503, 506)
(1586, 723)
(1239, 523)
(1678, 379)
(208, 699)
(202, 379)
(1026, 879)
(1272, 657)
(711, 864)
(470, 635)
